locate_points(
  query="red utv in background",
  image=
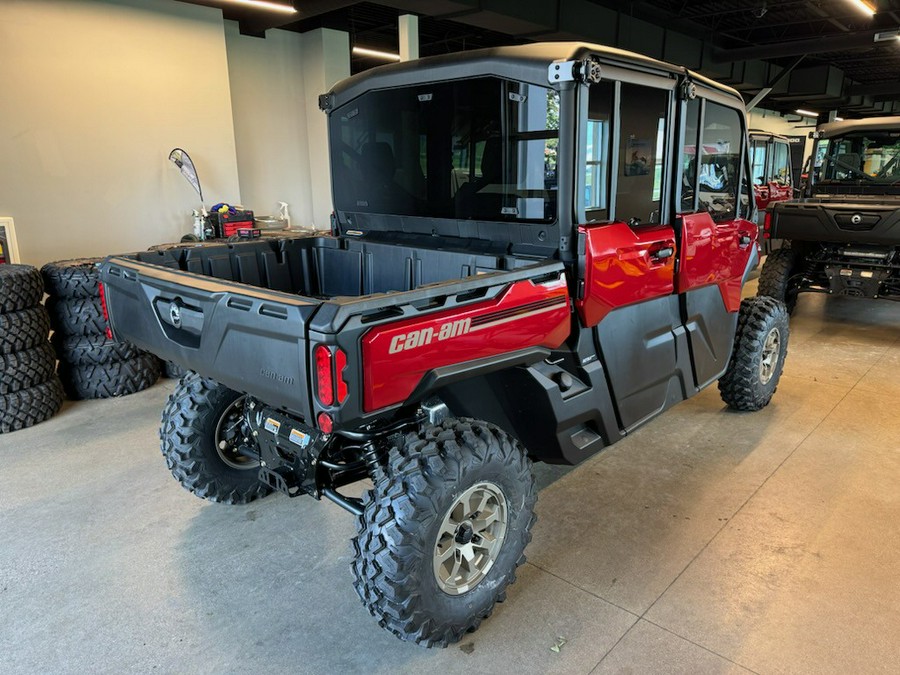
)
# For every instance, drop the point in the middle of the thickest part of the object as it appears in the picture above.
(771, 171)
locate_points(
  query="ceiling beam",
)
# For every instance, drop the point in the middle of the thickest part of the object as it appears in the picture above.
(819, 45)
(876, 89)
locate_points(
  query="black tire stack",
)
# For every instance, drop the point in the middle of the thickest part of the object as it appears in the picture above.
(30, 391)
(91, 365)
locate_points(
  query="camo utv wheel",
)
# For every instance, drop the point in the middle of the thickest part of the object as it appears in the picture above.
(443, 530)
(757, 359)
(200, 434)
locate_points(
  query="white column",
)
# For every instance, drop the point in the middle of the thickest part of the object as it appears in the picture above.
(409, 37)
(326, 60)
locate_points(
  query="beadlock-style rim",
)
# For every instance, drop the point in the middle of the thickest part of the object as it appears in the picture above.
(470, 538)
(770, 355)
(229, 435)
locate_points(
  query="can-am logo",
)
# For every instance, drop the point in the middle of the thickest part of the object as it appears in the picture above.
(425, 336)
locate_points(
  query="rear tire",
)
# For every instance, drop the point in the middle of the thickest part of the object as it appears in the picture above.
(173, 371)
(777, 279)
(422, 517)
(199, 415)
(757, 359)
(21, 287)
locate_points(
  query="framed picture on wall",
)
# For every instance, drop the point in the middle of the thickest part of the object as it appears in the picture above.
(9, 249)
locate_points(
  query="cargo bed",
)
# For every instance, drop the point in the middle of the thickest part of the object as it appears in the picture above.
(244, 314)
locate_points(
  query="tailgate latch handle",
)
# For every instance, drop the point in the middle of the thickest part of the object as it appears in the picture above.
(179, 316)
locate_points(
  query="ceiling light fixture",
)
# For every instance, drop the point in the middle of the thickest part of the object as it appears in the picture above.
(863, 7)
(374, 53)
(806, 113)
(262, 4)
(838, 119)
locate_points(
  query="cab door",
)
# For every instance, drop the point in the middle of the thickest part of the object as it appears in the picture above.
(627, 245)
(718, 242)
(780, 176)
(759, 172)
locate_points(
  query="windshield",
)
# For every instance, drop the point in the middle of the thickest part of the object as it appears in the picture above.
(483, 149)
(863, 157)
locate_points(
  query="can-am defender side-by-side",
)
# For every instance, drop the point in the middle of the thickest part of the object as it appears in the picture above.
(843, 236)
(772, 175)
(535, 251)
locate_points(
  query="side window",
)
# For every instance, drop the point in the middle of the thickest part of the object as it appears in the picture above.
(781, 166)
(720, 161)
(758, 162)
(596, 170)
(643, 112)
(689, 156)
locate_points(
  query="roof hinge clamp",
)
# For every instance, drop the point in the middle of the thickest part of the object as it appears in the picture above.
(585, 70)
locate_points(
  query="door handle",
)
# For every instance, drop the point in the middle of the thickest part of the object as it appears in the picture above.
(662, 253)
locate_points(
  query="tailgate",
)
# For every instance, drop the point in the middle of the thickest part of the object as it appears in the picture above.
(842, 222)
(249, 339)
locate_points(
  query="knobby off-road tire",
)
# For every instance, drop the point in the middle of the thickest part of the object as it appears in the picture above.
(21, 287)
(77, 316)
(76, 278)
(776, 279)
(23, 329)
(173, 371)
(757, 359)
(27, 407)
(107, 380)
(27, 368)
(199, 415)
(397, 543)
(86, 350)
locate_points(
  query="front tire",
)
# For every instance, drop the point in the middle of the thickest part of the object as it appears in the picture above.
(443, 530)
(778, 278)
(200, 431)
(757, 358)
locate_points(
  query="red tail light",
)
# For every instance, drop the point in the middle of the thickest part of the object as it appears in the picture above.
(767, 225)
(340, 359)
(330, 383)
(324, 375)
(105, 310)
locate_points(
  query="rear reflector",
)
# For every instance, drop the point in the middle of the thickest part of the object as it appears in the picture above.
(767, 225)
(324, 376)
(105, 310)
(326, 424)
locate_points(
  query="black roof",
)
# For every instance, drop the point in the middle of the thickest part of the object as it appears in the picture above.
(891, 123)
(525, 63)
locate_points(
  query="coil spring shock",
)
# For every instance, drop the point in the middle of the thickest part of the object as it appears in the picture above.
(373, 454)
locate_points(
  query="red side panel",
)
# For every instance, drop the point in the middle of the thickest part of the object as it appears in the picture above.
(622, 267)
(397, 356)
(715, 253)
(761, 195)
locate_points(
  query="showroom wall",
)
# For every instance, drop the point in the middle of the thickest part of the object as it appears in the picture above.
(280, 133)
(95, 95)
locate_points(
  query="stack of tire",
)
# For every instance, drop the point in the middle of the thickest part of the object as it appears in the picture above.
(30, 391)
(91, 364)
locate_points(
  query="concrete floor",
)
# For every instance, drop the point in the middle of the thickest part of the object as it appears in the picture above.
(707, 542)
